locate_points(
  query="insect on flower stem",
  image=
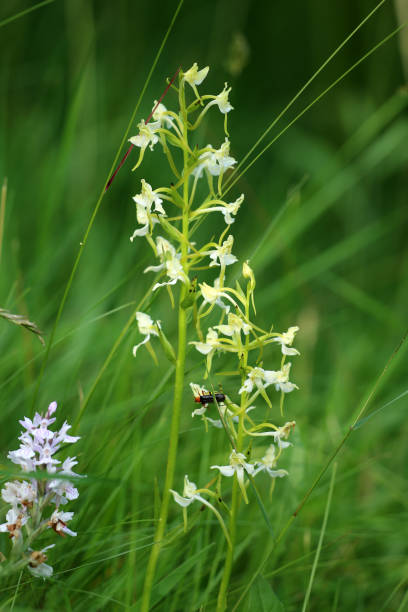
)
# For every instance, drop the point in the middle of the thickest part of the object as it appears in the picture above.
(209, 398)
(124, 158)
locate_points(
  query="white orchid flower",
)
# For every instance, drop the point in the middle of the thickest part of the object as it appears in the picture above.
(261, 379)
(216, 161)
(162, 115)
(174, 271)
(282, 433)
(267, 464)
(286, 339)
(195, 77)
(222, 100)
(257, 377)
(226, 209)
(282, 382)
(237, 465)
(235, 326)
(147, 327)
(204, 161)
(191, 494)
(147, 136)
(144, 202)
(147, 197)
(223, 254)
(165, 250)
(213, 295)
(279, 434)
(170, 262)
(208, 347)
(143, 219)
(230, 209)
(163, 247)
(221, 160)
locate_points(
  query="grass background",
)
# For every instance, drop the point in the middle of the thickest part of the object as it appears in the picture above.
(324, 224)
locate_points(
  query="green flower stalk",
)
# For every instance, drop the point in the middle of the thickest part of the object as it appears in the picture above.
(167, 217)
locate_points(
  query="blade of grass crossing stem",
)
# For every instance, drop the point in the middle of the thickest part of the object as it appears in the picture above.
(25, 12)
(319, 545)
(336, 597)
(404, 603)
(16, 591)
(395, 590)
(362, 421)
(304, 557)
(334, 454)
(260, 504)
(309, 106)
(98, 203)
(302, 89)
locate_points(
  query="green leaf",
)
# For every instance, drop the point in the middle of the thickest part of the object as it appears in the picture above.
(162, 588)
(262, 597)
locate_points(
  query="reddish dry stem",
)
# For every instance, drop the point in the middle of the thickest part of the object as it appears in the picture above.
(109, 183)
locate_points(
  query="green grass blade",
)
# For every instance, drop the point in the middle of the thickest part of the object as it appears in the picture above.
(25, 12)
(322, 533)
(309, 106)
(302, 89)
(369, 416)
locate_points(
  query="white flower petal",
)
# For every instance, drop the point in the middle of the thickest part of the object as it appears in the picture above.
(181, 501)
(226, 470)
(144, 341)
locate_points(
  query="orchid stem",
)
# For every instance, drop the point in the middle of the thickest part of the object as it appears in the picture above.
(178, 384)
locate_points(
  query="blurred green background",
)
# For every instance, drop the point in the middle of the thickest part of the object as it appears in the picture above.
(325, 227)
